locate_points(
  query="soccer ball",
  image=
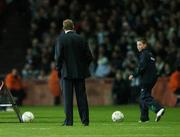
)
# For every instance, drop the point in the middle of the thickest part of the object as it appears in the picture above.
(27, 117)
(117, 116)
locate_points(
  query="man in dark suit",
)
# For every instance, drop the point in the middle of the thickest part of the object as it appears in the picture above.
(72, 56)
(148, 77)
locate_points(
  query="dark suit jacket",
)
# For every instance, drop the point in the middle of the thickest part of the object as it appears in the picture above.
(72, 56)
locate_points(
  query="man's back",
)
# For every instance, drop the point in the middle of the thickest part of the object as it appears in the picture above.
(76, 56)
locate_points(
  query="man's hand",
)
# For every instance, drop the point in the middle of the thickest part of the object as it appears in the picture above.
(131, 77)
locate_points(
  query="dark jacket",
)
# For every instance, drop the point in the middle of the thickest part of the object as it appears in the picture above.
(72, 56)
(146, 69)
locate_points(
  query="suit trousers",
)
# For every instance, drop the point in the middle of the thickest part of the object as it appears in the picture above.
(68, 86)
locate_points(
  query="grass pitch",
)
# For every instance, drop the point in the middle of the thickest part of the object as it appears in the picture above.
(48, 120)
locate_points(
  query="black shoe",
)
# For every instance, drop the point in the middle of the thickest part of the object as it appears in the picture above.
(146, 121)
(66, 124)
(86, 124)
(159, 114)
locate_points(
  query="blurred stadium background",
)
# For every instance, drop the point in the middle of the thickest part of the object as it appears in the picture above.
(28, 29)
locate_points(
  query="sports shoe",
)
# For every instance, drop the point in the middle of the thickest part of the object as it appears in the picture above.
(159, 114)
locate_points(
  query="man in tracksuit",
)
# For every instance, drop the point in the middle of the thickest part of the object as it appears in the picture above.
(147, 72)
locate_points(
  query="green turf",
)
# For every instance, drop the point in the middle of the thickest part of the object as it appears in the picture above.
(48, 120)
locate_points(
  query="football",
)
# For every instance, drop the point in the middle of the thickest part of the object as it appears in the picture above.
(117, 116)
(27, 117)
